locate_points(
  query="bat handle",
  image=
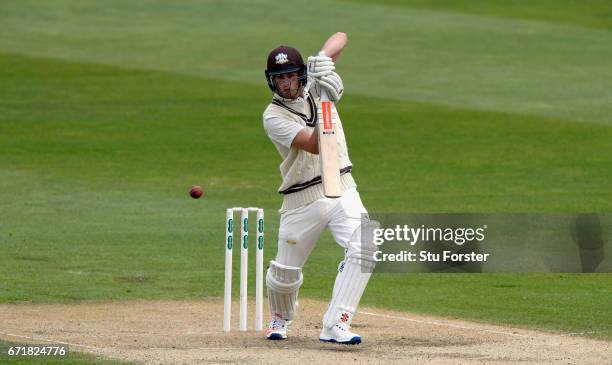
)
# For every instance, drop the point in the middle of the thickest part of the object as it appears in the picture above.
(324, 96)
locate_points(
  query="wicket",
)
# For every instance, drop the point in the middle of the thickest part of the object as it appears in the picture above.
(244, 257)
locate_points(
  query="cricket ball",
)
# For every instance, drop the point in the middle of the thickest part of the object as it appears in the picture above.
(196, 191)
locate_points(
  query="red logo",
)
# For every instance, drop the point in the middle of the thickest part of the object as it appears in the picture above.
(327, 115)
(345, 317)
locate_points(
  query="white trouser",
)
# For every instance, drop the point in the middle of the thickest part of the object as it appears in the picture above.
(300, 230)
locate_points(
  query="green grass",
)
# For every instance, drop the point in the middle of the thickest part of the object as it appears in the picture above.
(73, 358)
(524, 300)
(105, 123)
(433, 53)
(591, 13)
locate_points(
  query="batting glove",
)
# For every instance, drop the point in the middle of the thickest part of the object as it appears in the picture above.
(332, 83)
(320, 65)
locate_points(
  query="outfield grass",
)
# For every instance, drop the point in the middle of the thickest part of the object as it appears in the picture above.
(434, 53)
(591, 13)
(105, 123)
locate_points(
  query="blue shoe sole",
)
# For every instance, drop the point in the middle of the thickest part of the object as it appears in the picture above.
(275, 337)
(353, 341)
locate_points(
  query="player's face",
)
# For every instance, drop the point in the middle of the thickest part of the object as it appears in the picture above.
(288, 85)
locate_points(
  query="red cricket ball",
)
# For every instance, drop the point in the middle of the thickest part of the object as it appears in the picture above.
(196, 191)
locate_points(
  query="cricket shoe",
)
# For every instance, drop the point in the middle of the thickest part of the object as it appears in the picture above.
(340, 333)
(277, 330)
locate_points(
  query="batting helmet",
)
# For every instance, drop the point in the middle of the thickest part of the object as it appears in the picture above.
(285, 59)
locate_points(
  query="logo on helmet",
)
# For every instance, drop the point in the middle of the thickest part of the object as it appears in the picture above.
(281, 58)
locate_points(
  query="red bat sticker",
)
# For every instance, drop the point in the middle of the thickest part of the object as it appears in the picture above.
(327, 116)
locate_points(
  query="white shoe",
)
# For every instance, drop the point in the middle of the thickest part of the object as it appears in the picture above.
(277, 330)
(340, 333)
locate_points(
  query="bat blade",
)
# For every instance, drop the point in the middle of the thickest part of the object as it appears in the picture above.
(328, 144)
(328, 149)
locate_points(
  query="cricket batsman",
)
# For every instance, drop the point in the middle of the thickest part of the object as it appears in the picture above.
(290, 121)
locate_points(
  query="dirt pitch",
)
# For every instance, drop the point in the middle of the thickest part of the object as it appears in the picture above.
(190, 332)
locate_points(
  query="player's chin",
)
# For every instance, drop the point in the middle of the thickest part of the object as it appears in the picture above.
(289, 93)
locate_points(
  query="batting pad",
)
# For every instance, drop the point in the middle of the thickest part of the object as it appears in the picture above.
(283, 283)
(353, 275)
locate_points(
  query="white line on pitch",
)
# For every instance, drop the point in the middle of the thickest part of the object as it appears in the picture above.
(443, 324)
(51, 341)
(578, 333)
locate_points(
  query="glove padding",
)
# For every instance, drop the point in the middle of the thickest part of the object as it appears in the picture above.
(321, 65)
(332, 83)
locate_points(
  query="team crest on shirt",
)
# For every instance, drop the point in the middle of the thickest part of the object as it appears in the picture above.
(281, 58)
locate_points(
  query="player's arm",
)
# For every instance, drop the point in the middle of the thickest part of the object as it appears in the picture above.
(307, 141)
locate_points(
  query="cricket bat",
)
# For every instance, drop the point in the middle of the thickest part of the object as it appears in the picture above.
(328, 145)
